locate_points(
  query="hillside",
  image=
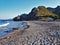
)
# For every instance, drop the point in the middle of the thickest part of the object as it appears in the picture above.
(42, 11)
(55, 10)
(38, 13)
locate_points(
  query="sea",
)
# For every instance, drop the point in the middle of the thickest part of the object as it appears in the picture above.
(6, 26)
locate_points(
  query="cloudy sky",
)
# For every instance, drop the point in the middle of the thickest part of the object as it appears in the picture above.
(12, 8)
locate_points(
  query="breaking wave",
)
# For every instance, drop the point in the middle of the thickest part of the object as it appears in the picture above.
(3, 25)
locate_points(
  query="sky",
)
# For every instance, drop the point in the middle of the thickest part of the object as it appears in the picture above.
(12, 8)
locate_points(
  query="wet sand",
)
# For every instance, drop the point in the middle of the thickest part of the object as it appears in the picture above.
(38, 33)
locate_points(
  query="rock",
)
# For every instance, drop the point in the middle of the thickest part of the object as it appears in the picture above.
(37, 13)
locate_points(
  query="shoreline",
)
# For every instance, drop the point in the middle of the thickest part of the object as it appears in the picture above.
(35, 30)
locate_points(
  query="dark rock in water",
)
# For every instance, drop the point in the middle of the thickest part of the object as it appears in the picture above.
(15, 28)
(6, 31)
(26, 27)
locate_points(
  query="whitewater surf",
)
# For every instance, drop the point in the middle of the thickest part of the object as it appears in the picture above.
(3, 25)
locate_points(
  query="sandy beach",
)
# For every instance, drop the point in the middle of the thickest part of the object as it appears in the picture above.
(38, 33)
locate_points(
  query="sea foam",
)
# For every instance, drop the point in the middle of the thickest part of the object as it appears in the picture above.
(3, 25)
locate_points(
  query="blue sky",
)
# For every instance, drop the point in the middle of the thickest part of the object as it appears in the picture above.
(11, 8)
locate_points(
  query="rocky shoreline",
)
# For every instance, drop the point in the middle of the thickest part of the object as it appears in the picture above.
(39, 33)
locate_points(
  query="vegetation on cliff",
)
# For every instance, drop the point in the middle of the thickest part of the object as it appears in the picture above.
(38, 13)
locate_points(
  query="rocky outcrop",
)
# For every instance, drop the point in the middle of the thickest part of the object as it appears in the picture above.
(18, 18)
(55, 10)
(37, 13)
